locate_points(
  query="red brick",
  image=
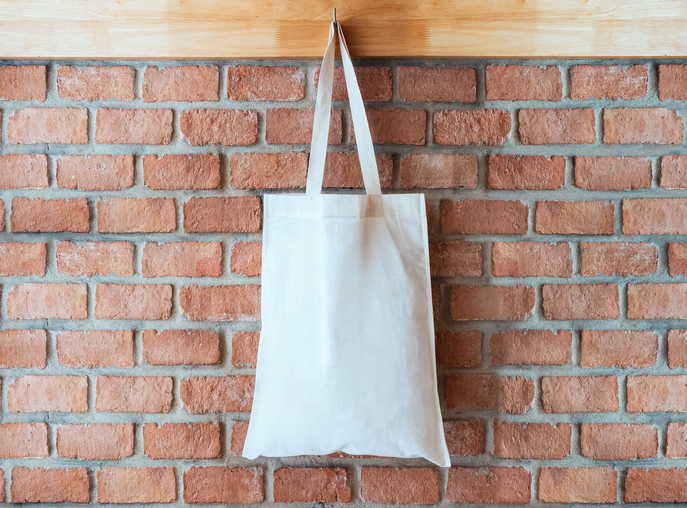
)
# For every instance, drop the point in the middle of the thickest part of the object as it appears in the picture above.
(524, 83)
(181, 347)
(219, 127)
(343, 170)
(514, 395)
(531, 259)
(677, 259)
(439, 171)
(238, 437)
(647, 394)
(265, 83)
(181, 171)
(514, 440)
(135, 394)
(47, 301)
(220, 303)
(671, 82)
(674, 172)
(48, 125)
(556, 126)
(534, 172)
(246, 258)
(23, 440)
(455, 259)
(50, 485)
(578, 485)
(95, 172)
(95, 348)
(580, 301)
(458, 349)
(617, 258)
(655, 216)
(136, 215)
(244, 349)
(95, 258)
(580, 394)
(201, 395)
(181, 440)
(531, 347)
(268, 170)
(22, 259)
(133, 301)
(22, 349)
(306, 485)
(23, 82)
(223, 485)
(96, 441)
(612, 173)
(575, 217)
(136, 485)
(23, 171)
(222, 215)
(618, 348)
(96, 82)
(646, 125)
(677, 441)
(501, 303)
(657, 301)
(396, 126)
(476, 127)
(386, 485)
(50, 215)
(181, 83)
(464, 438)
(374, 82)
(59, 394)
(294, 126)
(2, 215)
(656, 485)
(489, 485)
(436, 299)
(677, 348)
(477, 216)
(134, 126)
(182, 259)
(608, 82)
(447, 84)
(618, 441)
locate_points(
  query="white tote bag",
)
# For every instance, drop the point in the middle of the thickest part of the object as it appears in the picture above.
(346, 355)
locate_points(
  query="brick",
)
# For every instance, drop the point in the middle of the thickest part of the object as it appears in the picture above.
(181, 83)
(223, 485)
(265, 83)
(531, 259)
(515, 440)
(455, 259)
(136, 215)
(524, 83)
(439, 171)
(612, 173)
(23, 440)
(556, 126)
(294, 126)
(182, 171)
(569, 394)
(608, 82)
(343, 170)
(477, 216)
(500, 303)
(198, 440)
(244, 349)
(657, 301)
(22, 349)
(23, 171)
(246, 258)
(133, 126)
(47, 301)
(472, 127)
(50, 215)
(96, 82)
(616, 258)
(580, 301)
(656, 485)
(60, 394)
(316, 485)
(388, 485)
(136, 485)
(655, 216)
(222, 215)
(574, 217)
(220, 303)
(514, 395)
(375, 83)
(95, 258)
(617, 441)
(489, 485)
(652, 394)
(674, 172)
(50, 485)
(464, 438)
(95, 441)
(396, 126)
(133, 301)
(531, 347)
(645, 125)
(436, 299)
(618, 348)
(95, 348)
(48, 125)
(677, 441)
(447, 84)
(268, 170)
(677, 348)
(202, 395)
(22, 259)
(677, 259)
(135, 394)
(671, 82)
(219, 127)
(95, 172)
(23, 82)
(239, 429)
(578, 485)
(458, 349)
(181, 347)
(182, 259)
(534, 172)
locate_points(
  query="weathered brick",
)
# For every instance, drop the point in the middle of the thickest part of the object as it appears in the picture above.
(200, 395)
(134, 394)
(617, 441)
(268, 170)
(524, 83)
(608, 82)
(657, 301)
(48, 125)
(22, 349)
(655, 216)
(618, 348)
(133, 126)
(455, 259)
(47, 301)
(677, 348)
(95, 348)
(515, 440)
(556, 126)
(501, 303)
(677, 441)
(513, 395)
(580, 301)
(95, 172)
(96, 82)
(133, 301)
(22, 259)
(136, 485)
(531, 259)
(23, 171)
(534, 172)
(95, 258)
(489, 485)
(570, 394)
(220, 303)
(198, 440)
(136, 215)
(59, 394)
(612, 173)
(181, 83)
(222, 215)
(464, 438)
(578, 485)
(50, 485)
(311, 485)
(95, 441)
(645, 125)
(50, 215)
(472, 127)
(458, 349)
(265, 83)
(181, 347)
(343, 170)
(181, 171)
(23, 82)
(23, 440)
(219, 127)
(484, 217)
(677, 259)
(182, 259)
(446, 84)
(652, 394)
(388, 485)
(616, 258)
(246, 258)
(574, 217)
(244, 349)
(375, 83)
(671, 81)
(531, 347)
(674, 172)
(439, 171)
(239, 429)
(294, 126)
(656, 485)
(223, 485)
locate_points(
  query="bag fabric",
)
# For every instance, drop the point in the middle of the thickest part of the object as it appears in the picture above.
(346, 354)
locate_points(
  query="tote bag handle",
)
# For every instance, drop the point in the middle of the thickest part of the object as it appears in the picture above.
(320, 132)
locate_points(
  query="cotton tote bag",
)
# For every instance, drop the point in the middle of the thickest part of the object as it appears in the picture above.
(346, 355)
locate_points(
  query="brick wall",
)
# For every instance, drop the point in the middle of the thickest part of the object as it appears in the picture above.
(130, 264)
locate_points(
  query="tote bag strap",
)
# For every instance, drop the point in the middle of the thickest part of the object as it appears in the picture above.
(320, 133)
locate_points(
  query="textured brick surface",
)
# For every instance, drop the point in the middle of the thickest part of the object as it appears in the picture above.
(181, 440)
(141, 394)
(472, 127)
(23, 82)
(489, 217)
(513, 395)
(617, 258)
(181, 347)
(48, 125)
(222, 215)
(219, 127)
(95, 258)
(50, 215)
(63, 394)
(22, 258)
(134, 126)
(616, 441)
(656, 485)
(50, 301)
(197, 171)
(399, 486)
(531, 347)
(646, 125)
(23, 171)
(96, 82)
(322, 485)
(181, 83)
(439, 171)
(182, 259)
(581, 301)
(574, 217)
(95, 172)
(612, 173)
(618, 348)
(578, 485)
(458, 349)
(556, 126)
(608, 82)
(531, 440)
(23, 440)
(223, 485)
(201, 395)
(244, 349)
(531, 259)
(501, 303)
(534, 172)
(50, 485)
(95, 348)
(375, 83)
(23, 349)
(589, 394)
(98, 441)
(266, 83)
(449, 84)
(523, 83)
(489, 485)
(136, 215)
(136, 485)
(294, 126)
